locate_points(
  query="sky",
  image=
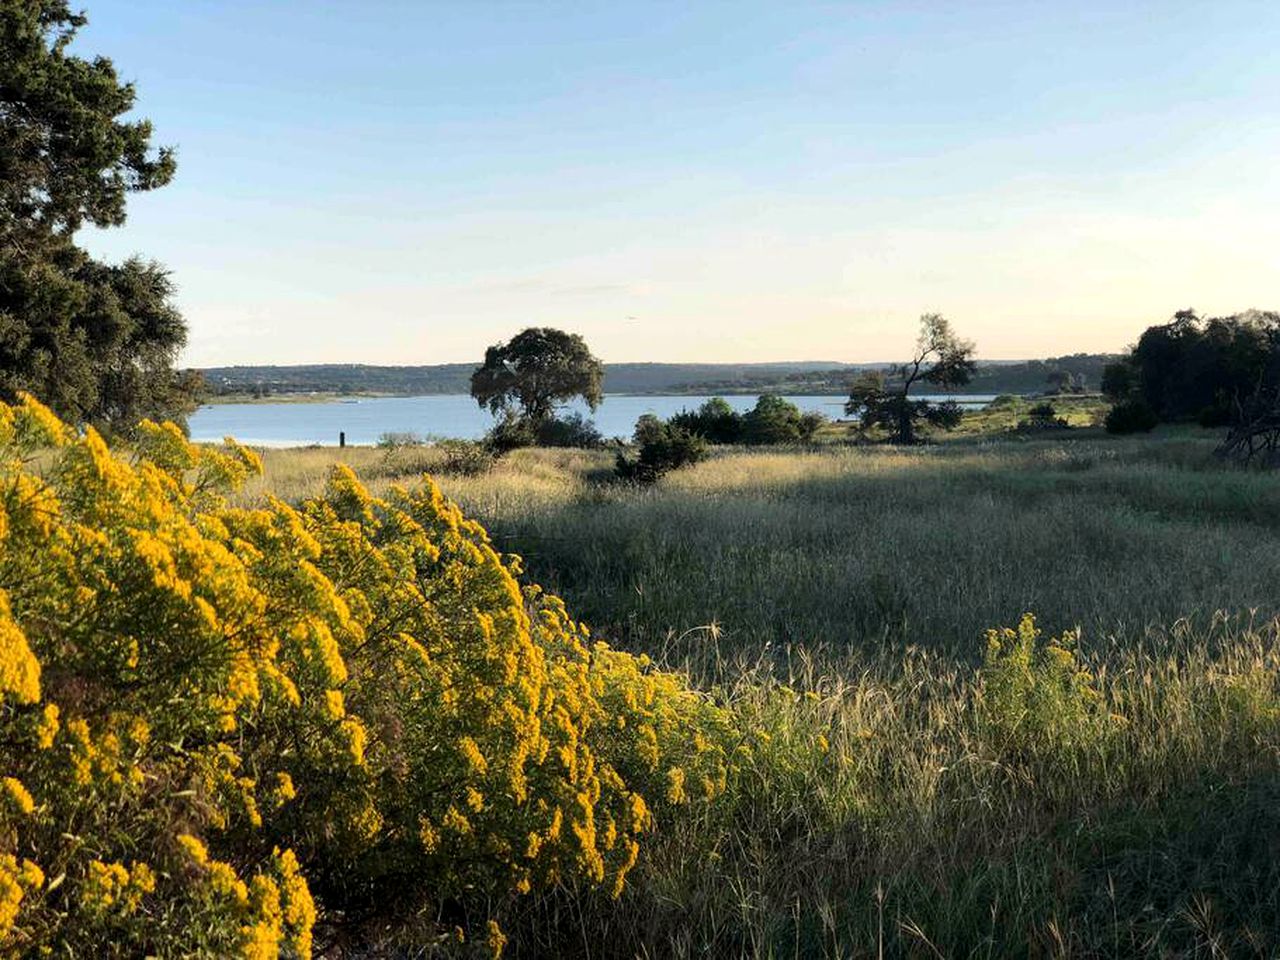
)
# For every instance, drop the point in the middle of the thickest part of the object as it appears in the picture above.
(409, 182)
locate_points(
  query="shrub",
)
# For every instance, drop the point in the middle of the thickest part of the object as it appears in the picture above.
(1131, 416)
(663, 447)
(573, 430)
(776, 420)
(1033, 695)
(715, 421)
(1042, 416)
(514, 431)
(222, 726)
(511, 432)
(394, 440)
(464, 458)
(1216, 414)
(809, 425)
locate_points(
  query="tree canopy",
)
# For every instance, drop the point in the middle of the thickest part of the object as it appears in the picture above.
(538, 369)
(96, 341)
(1197, 368)
(882, 401)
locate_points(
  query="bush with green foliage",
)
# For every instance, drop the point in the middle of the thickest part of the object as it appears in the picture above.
(1131, 416)
(715, 421)
(513, 431)
(463, 458)
(1219, 413)
(663, 447)
(775, 420)
(569, 430)
(1042, 416)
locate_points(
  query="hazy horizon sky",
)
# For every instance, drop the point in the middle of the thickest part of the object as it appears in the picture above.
(408, 182)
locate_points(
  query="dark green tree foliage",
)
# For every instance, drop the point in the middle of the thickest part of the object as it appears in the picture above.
(514, 430)
(776, 420)
(662, 447)
(1042, 416)
(510, 432)
(1194, 368)
(96, 341)
(715, 421)
(536, 370)
(941, 360)
(571, 430)
(1131, 416)
(1119, 380)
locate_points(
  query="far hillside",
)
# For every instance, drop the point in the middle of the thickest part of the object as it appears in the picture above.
(798, 377)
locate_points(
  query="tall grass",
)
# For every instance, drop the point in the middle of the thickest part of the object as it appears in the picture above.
(919, 830)
(857, 548)
(886, 805)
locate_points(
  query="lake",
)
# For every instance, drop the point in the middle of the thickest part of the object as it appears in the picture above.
(365, 419)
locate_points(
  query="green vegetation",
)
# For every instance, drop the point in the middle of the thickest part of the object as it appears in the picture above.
(97, 341)
(882, 401)
(772, 420)
(1133, 415)
(535, 371)
(1012, 694)
(662, 446)
(915, 785)
(1196, 369)
(523, 381)
(1006, 413)
(1081, 371)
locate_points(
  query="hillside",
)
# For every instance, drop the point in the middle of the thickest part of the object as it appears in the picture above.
(796, 377)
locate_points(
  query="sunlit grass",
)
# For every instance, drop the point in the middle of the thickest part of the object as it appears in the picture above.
(847, 547)
(837, 598)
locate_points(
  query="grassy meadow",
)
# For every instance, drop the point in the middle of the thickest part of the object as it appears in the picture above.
(910, 790)
(849, 551)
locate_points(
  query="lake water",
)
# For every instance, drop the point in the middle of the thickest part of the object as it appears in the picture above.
(365, 419)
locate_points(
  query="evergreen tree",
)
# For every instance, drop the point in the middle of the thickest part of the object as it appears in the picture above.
(95, 341)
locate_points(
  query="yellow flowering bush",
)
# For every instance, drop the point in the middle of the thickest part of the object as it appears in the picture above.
(222, 726)
(1034, 695)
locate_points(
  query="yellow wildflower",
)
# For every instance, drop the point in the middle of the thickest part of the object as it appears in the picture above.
(19, 669)
(16, 796)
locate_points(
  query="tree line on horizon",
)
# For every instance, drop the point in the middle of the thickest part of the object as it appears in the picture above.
(1068, 374)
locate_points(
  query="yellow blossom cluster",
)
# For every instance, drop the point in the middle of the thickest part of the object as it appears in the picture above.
(204, 706)
(1034, 694)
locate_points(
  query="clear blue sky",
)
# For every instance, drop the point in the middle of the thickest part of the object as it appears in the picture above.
(408, 182)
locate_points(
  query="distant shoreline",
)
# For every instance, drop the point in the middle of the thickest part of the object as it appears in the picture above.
(317, 383)
(330, 397)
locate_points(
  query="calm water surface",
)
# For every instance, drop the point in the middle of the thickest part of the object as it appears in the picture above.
(364, 420)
